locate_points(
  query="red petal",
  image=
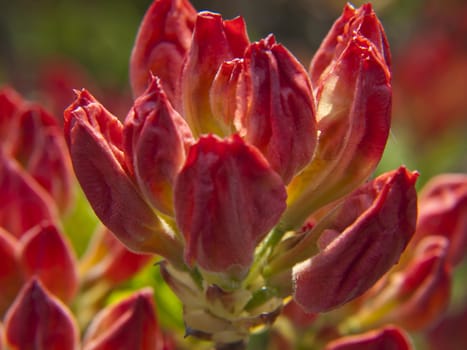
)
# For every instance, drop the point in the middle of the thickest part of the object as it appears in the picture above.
(353, 113)
(371, 229)
(11, 276)
(362, 22)
(388, 338)
(227, 198)
(95, 140)
(214, 41)
(155, 138)
(279, 108)
(163, 38)
(46, 254)
(129, 324)
(223, 94)
(11, 105)
(40, 148)
(37, 320)
(24, 203)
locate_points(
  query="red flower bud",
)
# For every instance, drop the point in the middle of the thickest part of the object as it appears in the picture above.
(95, 140)
(40, 148)
(277, 112)
(37, 320)
(227, 198)
(214, 41)
(353, 113)
(353, 22)
(358, 242)
(155, 140)
(45, 254)
(163, 39)
(24, 203)
(385, 338)
(129, 324)
(33, 137)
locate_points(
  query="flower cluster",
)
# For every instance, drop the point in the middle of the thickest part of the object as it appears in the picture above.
(239, 166)
(250, 176)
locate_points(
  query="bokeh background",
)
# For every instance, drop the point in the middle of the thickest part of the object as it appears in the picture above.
(49, 47)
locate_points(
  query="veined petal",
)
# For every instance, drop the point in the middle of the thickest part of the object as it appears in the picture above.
(357, 243)
(94, 138)
(129, 324)
(223, 93)
(214, 41)
(227, 198)
(162, 41)
(362, 22)
(156, 138)
(278, 112)
(45, 254)
(353, 113)
(38, 320)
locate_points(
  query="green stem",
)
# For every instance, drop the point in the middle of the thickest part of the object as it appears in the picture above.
(263, 253)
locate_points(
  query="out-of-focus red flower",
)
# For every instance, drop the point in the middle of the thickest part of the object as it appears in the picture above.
(430, 73)
(11, 104)
(59, 76)
(11, 276)
(41, 253)
(385, 338)
(107, 259)
(128, 324)
(163, 39)
(449, 333)
(21, 194)
(415, 296)
(443, 211)
(34, 139)
(45, 254)
(37, 319)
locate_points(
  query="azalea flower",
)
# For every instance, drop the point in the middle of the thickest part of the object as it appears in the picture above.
(240, 166)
